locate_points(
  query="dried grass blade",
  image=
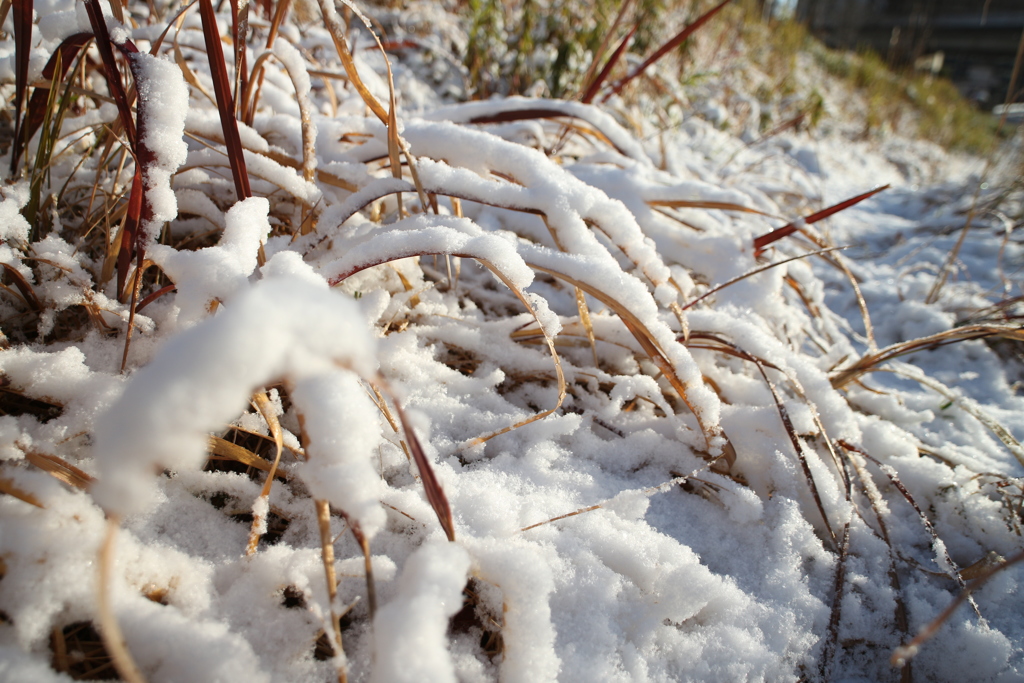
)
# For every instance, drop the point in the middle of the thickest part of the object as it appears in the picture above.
(595, 85)
(60, 469)
(869, 362)
(691, 204)
(952, 569)
(543, 113)
(263, 404)
(116, 10)
(588, 325)
(225, 104)
(787, 423)
(240, 33)
(755, 271)
(435, 494)
(672, 44)
(333, 23)
(828, 652)
(23, 286)
(902, 655)
(10, 488)
(110, 629)
(63, 57)
(155, 295)
(103, 43)
(5, 8)
(22, 48)
(224, 449)
(190, 76)
(649, 345)
(588, 77)
(323, 516)
(764, 240)
(129, 233)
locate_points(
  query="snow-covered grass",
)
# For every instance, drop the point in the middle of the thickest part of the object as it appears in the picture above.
(312, 371)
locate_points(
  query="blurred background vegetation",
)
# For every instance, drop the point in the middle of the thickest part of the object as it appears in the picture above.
(552, 49)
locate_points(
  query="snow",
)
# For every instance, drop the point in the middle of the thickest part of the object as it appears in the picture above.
(604, 542)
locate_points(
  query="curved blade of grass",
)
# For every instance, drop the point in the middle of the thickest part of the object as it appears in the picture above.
(23, 286)
(251, 90)
(222, 449)
(755, 271)
(60, 469)
(398, 253)
(334, 26)
(672, 44)
(722, 206)
(540, 113)
(763, 241)
(588, 77)
(958, 334)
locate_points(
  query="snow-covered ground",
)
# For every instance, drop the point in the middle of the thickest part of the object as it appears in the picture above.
(711, 542)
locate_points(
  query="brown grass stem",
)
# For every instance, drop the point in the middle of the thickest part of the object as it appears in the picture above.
(110, 629)
(755, 271)
(902, 655)
(323, 517)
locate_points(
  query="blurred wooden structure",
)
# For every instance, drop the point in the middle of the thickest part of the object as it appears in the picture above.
(978, 39)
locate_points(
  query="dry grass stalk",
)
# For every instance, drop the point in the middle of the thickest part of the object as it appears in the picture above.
(323, 516)
(755, 271)
(952, 569)
(22, 47)
(435, 494)
(653, 350)
(903, 654)
(60, 469)
(762, 242)
(225, 102)
(221, 449)
(110, 629)
(877, 505)
(870, 362)
(10, 488)
(334, 26)
(969, 406)
(259, 522)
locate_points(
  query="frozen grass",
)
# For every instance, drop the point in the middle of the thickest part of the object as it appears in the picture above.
(298, 385)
